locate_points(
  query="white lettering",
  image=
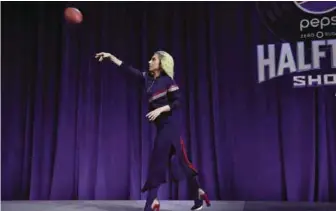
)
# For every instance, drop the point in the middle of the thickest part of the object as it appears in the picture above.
(330, 79)
(317, 54)
(333, 20)
(314, 81)
(268, 68)
(333, 52)
(301, 58)
(286, 59)
(314, 22)
(320, 23)
(325, 21)
(304, 24)
(299, 81)
(263, 62)
(319, 34)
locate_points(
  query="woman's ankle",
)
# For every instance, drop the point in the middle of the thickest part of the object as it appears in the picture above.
(200, 191)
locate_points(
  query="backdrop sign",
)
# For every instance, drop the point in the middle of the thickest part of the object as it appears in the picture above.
(308, 36)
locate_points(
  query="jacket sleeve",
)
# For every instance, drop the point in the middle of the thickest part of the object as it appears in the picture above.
(133, 71)
(174, 95)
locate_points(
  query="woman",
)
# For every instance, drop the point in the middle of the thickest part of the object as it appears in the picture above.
(164, 99)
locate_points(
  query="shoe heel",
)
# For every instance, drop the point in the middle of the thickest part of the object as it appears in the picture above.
(156, 207)
(206, 199)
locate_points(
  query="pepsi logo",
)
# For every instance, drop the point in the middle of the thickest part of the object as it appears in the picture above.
(293, 21)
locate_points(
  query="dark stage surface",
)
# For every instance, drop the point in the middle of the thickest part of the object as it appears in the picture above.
(165, 205)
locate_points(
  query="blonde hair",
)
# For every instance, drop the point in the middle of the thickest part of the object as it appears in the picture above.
(167, 63)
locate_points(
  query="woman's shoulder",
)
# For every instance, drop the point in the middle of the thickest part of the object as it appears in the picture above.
(169, 79)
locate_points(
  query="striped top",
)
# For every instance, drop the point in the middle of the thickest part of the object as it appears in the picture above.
(160, 91)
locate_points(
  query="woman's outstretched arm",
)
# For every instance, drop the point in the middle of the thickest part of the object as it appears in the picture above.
(101, 56)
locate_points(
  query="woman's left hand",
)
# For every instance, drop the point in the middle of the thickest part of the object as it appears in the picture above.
(154, 114)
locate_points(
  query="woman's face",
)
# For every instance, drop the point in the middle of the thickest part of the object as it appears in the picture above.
(154, 63)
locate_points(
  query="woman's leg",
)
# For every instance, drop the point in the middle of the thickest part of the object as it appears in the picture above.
(159, 159)
(182, 166)
(151, 202)
(198, 194)
(158, 166)
(194, 187)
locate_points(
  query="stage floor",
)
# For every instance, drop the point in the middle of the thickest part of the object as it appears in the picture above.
(165, 206)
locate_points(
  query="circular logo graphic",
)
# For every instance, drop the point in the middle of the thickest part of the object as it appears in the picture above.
(316, 7)
(299, 21)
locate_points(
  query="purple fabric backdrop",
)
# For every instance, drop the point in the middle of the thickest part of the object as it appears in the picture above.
(76, 129)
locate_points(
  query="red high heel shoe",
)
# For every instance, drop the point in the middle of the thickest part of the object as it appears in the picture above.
(198, 203)
(156, 207)
(204, 196)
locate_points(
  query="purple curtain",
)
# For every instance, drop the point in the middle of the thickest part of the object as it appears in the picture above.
(73, 128)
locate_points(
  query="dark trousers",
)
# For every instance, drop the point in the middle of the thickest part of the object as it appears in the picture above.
(169, 147)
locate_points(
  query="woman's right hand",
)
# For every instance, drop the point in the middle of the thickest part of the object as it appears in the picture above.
(103, 55)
